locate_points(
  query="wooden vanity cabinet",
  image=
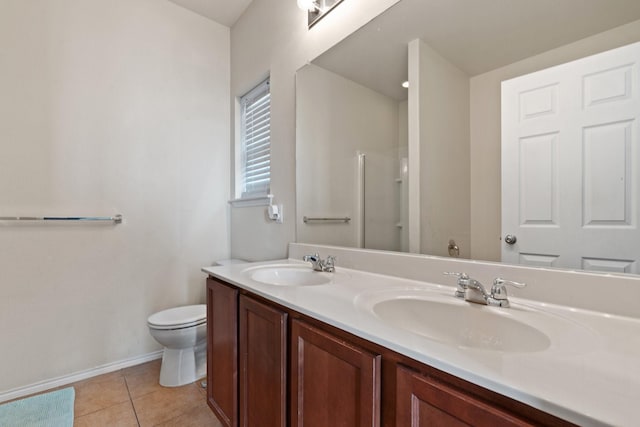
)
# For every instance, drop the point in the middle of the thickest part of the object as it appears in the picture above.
(246, 358)
(333, 381)
(271, 366)
(222, 351)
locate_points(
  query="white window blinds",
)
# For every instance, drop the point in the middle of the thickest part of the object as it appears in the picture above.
(256, 141)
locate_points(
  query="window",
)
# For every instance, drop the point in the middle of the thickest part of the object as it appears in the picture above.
(255, 142)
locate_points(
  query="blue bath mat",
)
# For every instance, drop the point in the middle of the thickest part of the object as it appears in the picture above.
(54, 409)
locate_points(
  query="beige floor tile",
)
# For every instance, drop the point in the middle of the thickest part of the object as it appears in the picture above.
(203, 390)
(143, 382)
(166, 404)
(133, 397)
(199, 416)
(105, 377)
(153, 366)
(120, 415)
(99, 393)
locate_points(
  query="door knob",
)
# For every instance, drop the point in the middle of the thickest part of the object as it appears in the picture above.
(454, 250)
(510, 239)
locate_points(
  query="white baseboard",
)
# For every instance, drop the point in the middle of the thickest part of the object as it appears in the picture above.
(77, 376)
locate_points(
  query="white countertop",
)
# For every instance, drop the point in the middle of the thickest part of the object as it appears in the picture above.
(593, 381)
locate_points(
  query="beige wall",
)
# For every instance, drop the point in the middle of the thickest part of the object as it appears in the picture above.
(485, 131)
(272, 38)
(106, 107)
(443, 91)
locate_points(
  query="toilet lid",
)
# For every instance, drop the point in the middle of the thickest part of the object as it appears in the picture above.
(180, 317)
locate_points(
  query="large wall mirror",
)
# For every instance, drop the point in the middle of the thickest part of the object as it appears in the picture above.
(419, 169)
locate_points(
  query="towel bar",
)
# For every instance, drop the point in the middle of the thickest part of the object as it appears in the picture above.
(117, 219)
(307, 219)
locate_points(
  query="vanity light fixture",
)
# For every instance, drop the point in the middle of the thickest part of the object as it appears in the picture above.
(405, 84)
(316, 9)
(309, 5)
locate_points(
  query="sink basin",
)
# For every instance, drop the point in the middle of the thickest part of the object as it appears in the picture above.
(468, 325)
(452, 321)
(289, 275)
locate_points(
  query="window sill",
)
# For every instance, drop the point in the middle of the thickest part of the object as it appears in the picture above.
(252, 201)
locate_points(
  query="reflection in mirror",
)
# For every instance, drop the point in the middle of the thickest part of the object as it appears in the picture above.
(456, 63)
(579, 118)
(351, 163)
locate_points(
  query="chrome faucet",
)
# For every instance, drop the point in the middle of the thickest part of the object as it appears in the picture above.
(473, 291)
(499, 295)
(319, 264)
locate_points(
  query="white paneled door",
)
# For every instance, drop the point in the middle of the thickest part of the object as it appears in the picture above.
(570, 191)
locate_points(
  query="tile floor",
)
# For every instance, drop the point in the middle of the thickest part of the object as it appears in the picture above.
(133, 397)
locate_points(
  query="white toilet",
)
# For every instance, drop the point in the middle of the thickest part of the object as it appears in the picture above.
(183, 333)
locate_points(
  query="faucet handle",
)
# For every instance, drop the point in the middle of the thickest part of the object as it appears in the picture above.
(463, 281)
(463, 276)
(329, 264)
(500, 281)
(499, 290)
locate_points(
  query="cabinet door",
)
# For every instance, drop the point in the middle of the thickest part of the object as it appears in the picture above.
(422, 401)
(334, 383)
(222, 351)
(263, 366)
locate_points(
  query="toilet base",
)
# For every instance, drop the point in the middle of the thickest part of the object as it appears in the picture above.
(183, 366)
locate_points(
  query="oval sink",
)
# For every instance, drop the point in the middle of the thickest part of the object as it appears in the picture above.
(441, 317)
(290, 275)
(463, 325)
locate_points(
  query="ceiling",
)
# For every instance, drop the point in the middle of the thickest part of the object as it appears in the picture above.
(225, 12)
(475, 35)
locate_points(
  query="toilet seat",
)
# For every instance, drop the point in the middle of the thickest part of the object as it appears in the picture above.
(179, 317)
